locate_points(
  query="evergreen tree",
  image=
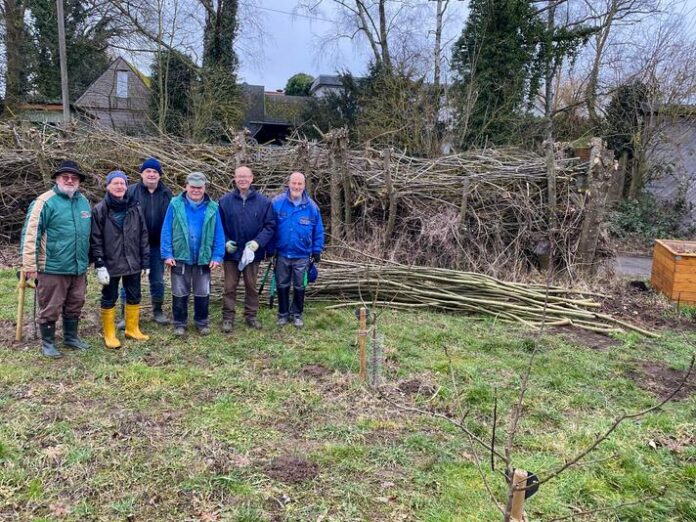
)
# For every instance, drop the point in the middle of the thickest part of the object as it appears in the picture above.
(172, 82)
(86, 39)
(494, 63)
(299, 84)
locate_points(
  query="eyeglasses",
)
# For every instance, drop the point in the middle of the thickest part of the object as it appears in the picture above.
(69, 177)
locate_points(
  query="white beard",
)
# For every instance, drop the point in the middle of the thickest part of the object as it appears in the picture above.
(68, 191)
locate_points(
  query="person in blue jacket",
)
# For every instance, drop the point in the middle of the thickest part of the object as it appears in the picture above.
(192, 243)
(249, 224)
(299, 241)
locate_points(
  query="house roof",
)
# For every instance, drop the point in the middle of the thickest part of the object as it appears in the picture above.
(118, 63)
(326, 80)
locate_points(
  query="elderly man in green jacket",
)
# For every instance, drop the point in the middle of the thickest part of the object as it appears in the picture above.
(55, 249)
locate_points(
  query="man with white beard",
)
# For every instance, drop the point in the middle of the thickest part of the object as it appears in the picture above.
(55, 249)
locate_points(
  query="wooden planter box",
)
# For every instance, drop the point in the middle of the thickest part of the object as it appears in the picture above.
(674, 269)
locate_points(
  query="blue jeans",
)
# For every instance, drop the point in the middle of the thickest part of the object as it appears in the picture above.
(156, 278)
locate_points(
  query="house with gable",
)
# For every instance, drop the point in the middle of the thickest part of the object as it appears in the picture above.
(118, 99)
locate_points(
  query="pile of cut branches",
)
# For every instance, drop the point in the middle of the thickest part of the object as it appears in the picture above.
(481, 211)
(417, 287)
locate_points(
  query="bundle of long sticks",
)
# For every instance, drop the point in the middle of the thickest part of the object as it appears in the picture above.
(417, 287)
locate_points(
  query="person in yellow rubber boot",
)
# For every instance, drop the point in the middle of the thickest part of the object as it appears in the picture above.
(120, 250)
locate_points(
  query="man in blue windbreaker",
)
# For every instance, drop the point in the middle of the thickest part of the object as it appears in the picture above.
(299, 241)
(249, 224)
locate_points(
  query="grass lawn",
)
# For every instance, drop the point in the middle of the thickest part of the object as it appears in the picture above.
(273, 425)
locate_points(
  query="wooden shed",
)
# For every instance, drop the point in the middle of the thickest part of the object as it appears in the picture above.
(674, 269)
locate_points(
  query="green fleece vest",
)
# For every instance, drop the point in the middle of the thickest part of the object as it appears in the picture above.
(180, 237)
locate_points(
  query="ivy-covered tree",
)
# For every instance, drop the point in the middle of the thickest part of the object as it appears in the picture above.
(494, 66)
(299, 84)
(216, 100)
(87, 39)
(172, 83)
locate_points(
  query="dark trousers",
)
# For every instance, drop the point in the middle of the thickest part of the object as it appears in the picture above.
(291, 271)
(131, 287)
(251, 294)
(156, 277)
(60, 295)
(184, 279)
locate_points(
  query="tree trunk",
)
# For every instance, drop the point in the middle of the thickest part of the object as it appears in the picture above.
(548, 123)
(600, 178)
(386, 58)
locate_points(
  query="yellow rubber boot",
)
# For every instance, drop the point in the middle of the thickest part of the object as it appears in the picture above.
(133, 323)
(108, 317)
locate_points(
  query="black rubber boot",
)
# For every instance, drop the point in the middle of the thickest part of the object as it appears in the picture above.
(180, 310)
(157, 313)
(200, 313)
(48, 339)
(283, 302)
(121, 323)
(297, 308)
(70, 337)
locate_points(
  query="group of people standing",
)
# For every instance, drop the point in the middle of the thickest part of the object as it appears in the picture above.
(139, 229)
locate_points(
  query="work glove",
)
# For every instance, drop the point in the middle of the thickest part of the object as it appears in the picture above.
(103, 276)
(231, 247)
(316, 257)
(247, 257)
(253, 245)
(146, 272)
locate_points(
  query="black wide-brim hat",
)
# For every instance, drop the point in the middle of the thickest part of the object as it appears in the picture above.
(70, 167)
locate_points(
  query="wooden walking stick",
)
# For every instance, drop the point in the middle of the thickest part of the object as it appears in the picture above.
(21, 286)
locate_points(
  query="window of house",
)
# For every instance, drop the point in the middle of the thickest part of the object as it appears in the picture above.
(122, 84)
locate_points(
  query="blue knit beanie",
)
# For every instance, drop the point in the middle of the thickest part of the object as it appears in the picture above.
(151, 163)
(116, 174)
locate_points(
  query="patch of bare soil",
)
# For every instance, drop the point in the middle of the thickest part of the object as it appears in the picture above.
(644, 308)
(661, 380)
(292, 470)
(588, 338)
(314, 370)
(416, 386)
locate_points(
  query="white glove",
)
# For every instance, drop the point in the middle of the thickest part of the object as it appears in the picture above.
(247, 257)
(146, 272)
(231, 247)
(103, 276)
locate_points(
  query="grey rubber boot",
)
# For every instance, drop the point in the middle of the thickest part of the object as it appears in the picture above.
(48, 339)
(70, 337)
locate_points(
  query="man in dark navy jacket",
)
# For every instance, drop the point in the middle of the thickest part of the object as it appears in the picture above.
(249, 224)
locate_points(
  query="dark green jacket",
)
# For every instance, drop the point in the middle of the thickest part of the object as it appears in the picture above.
(55, 237)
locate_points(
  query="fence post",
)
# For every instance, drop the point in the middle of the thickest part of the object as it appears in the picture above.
(362, 342)
(519, 482)
(463, 206)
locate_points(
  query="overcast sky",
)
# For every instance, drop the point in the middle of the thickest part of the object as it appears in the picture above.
(292, 43)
